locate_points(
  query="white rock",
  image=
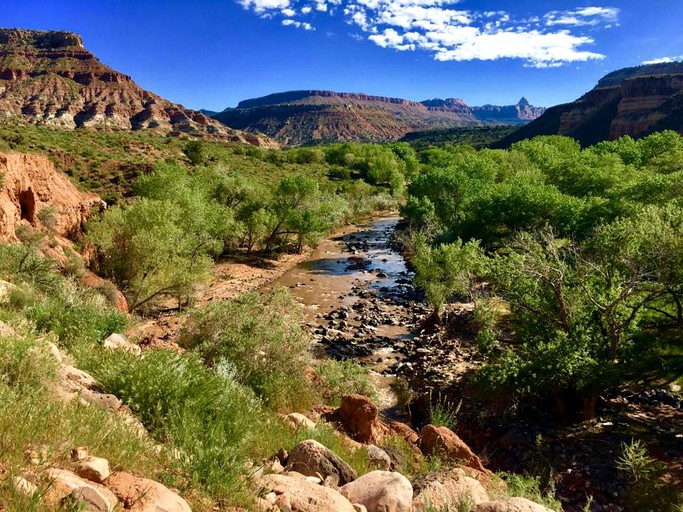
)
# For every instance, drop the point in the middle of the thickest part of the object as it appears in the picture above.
(303, 496)
(95, 469)
(298, 420)
(23, 486)
(97, 497)
(510, 505)
(119, 342)
(381, 491)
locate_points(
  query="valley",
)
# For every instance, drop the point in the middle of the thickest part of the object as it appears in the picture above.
(336, 302)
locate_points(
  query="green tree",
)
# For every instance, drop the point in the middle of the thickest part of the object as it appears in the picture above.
(444, 270)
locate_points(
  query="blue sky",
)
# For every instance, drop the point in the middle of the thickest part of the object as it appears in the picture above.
(214, 53)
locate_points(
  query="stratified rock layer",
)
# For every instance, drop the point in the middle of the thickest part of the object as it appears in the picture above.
(631, 101)
(49, 78)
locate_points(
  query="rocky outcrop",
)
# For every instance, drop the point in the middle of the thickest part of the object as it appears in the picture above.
(510, 505)
(33, 191)
(631, 101)
(299, 117)
(49, 78)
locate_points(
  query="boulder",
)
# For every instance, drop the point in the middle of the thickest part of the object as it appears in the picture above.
(446, 490)
(143, 495)
(378, 457)
(510, 505)
(301, 495)
(119, 342)
(298, 420)
(380, 491)
(95, 497)
(444, 442)
(311, 458)
(360, 418)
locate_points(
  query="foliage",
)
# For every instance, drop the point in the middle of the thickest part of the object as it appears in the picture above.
(444, 270)
(341, 378)
(194, 151)
(646, 488)
(443, 413)
(259, 341)
(581, 246)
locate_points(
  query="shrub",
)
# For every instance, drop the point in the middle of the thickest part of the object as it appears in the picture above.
(261, 339)
(342, 378)
(205, 415)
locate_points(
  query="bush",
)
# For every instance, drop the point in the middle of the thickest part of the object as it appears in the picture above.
(205, 415)
(261, 339)
(342, 378)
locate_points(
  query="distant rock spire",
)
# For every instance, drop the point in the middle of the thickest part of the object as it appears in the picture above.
(523, 102)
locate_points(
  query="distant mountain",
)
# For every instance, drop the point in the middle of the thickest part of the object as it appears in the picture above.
(521, 113)
(631, 101)
(48, 77)
(302, 117)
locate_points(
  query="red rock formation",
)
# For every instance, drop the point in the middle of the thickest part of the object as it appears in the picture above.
(50, 78)
(31, 184)
(631, 101)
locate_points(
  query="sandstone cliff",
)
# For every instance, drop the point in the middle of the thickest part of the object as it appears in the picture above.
(31, 185)
(300, 117)
(50, 78)
(631, 101)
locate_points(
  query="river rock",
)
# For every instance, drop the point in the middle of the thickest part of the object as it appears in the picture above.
(446, 490)
(300, 495)
(378, 457)
(444, 442)
(510, 505)
(311, 458)
(95, 497)
(143, 495)
(381, 491)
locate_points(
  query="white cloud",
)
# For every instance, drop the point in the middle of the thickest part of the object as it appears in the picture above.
(586, 16)
(298, 24)
(664, 60)
(261, 6)
(453, 34)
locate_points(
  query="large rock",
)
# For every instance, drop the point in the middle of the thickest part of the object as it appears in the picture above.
(300, 495)
(143, 495)
(446, 490)
(378, 457)
(510, 505)
(311, 458)
(360, 418)
(381, 491)
(95, 497)
(443, 442)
